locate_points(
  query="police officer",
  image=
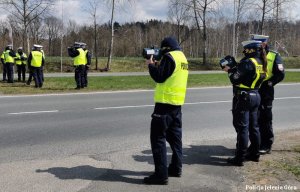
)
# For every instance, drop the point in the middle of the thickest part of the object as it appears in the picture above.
(87, 63)
(9, 60)
(246, 77)
(36, 61)
(79, 56)
(275, 75)
(4, 72)
(171, 76)
(20, 60)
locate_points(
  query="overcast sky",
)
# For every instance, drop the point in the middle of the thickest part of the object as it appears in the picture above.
(140, 10)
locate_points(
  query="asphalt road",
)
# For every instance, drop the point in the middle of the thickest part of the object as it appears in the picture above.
(100, 141)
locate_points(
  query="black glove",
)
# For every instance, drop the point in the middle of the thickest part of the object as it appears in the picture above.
(228, 61)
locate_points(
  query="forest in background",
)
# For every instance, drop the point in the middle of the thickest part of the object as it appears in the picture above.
(203, 27)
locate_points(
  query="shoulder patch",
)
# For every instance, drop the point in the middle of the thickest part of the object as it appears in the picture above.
(236, 75)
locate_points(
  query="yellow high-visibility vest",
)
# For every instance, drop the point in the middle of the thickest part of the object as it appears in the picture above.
(8, 58)
(37, 58)
(270, 58)
(173, 90)
(259, 76)
(81, 58)
(19, 61)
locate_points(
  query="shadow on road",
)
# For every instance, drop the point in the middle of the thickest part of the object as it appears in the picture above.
(87, 172)
(204, 154)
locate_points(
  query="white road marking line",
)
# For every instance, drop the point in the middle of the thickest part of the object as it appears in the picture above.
(193, 103)
(283, 98)
(33, 112)
(124, 107)
(142, 106)
(125, 91)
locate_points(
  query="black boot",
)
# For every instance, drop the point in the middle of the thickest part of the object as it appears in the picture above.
(173, 172)
(154, 180)
(235, 161)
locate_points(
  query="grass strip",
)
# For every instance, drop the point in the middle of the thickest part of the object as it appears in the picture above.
(111, 83)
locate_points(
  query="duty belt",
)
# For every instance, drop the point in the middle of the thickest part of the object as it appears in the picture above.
(243, 92)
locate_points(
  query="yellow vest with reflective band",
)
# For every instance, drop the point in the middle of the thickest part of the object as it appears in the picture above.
(2, 55)
(81, 58)
(260, 75)
(37, 58)
(7, 57)
(270, 58)
(19, 61)
(173, 90)
(85, 59)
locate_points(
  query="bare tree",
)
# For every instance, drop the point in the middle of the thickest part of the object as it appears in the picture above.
(240, 8)
(179, 14)
(201, 8)
(278, 14)
(54, 30)
(25, 12)
(265, 6)
(92, 9)
(113, 4)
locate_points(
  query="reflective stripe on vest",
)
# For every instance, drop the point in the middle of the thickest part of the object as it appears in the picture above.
(85, 59)
(80, 59)
(173, 90)
(8, 58)
(37, 58)
(258, 79)
(270, 58)
(19, 61)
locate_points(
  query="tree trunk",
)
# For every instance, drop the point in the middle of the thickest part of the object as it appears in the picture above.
(95, 44)
(112, 36)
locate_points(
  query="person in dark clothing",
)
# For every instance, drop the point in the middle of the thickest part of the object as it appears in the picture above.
(170, 75)
(36, 60)
(20, 61)
(87, 64)
(9, 60)
(246, 77)
(79, 56)
(275, 75)
(4, 72)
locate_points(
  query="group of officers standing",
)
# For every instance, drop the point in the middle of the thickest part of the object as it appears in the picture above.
(35, 63)
(253, 79)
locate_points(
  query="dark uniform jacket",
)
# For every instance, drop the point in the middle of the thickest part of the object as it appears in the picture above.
(160, 73)
(243, 73)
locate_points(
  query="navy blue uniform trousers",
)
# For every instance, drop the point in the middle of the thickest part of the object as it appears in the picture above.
(245, 122)
(37, 76)
(166, 125)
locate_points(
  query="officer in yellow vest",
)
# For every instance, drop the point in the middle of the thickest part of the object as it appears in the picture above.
(36, 61)
(171, 76)
(246, 77)
(9, 60)
(79, 56)
(21, 62)
(4, 72)
(275, 75)
(88, 61)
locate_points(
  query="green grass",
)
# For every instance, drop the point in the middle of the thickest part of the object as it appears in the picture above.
(128, 64)
(295, 169)
(67, 84)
